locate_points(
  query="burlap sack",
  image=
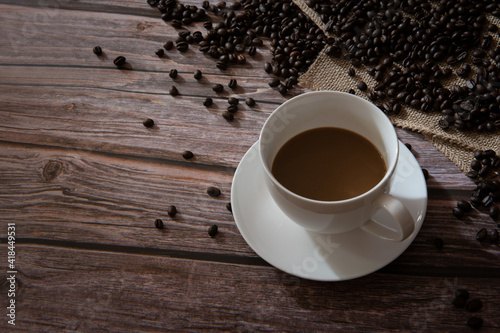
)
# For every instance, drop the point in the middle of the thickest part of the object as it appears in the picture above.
(329, 73)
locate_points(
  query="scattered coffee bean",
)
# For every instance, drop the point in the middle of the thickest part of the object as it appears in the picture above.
(482, 234)
(173, 73)
(120, 61)
(459, 302)
(232, 83)
(187, 154)
(97, 50)
(351, 72)
(475, 322)
(208, 101)
(172, 210)
(168, 45)
(229, 207)
(232, 108)
(218, 88)
(458, 212)
(274, 83)
(494, 236)
(464, 205)
(361, 85)
(250, 101)
(426, 173)
(474, 305)
(351, 91)
(494, 211)
(212, 230)
(160, 53)
(159, 224)
(213, 191)
(233, 100)
(173, 91)
(228, 115)
(148, 123)
(197, 74)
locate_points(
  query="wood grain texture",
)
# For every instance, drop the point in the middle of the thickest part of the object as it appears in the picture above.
(84, 180)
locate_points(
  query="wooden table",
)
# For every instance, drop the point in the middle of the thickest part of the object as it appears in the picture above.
(82, 182)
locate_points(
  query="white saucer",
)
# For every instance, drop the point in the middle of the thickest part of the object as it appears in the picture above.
(287, 246)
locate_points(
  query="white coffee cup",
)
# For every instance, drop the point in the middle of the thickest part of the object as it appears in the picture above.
(336, 109)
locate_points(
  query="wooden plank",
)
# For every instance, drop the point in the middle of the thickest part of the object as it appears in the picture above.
(83, 199)
(64, 289)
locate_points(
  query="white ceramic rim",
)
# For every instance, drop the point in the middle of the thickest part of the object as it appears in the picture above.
(375, 109)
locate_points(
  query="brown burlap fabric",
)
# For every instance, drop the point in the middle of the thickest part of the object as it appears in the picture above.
(329, 73)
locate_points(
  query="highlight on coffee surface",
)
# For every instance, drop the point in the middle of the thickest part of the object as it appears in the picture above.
(328, 164)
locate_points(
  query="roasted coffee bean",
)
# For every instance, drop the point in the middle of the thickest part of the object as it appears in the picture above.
(232, 83)
(120, 61)
(283, 89)
(252, 51)
(474, 305)
(173, 73)
(187, 154)
(171, 210)
(351, 91)
(228, 115)
(168, 45)
(462, 293)
(250, 101)
(212, 230)
(222, 65)
(488, 200)
(233, 108)
(472, 174)
(494, 211)
(464, 205)
(182, 46)
(482, 234)
(426, 173)
(229, 207)
(213, 191)
(457, 212)
(361, 85)
(274, 83)
(475, 201)
(197, 74)
(233, 100)
(148, 123)
(475, 165)
(173, 91)
(494, 236)
(208, 101)
(475, 322)
(459, 302)
(160, 52)
(351, 72)
(218, 88)
(159, 224)
(97, 50)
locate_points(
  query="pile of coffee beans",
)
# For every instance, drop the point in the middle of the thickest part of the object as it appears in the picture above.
(461, 300)
(485, 172)
(412, 47)
(238, 30)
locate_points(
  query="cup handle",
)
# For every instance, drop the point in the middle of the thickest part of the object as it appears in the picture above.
(400, 214)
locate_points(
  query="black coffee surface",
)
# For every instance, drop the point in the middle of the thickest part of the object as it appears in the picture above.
(328, 164)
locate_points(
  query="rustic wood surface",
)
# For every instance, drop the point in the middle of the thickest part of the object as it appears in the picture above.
(83, 180)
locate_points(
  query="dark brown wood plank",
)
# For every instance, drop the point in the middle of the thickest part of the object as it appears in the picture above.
(64, 289)
(94, 199)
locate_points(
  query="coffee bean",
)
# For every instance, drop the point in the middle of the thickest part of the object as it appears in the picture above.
(494, 211)
(120, 61)
(97, 50)
(229, 207)
(475, 165)
(173, 91)
(168, 45)
(207, 102)
(160, 52)
(232, 83)
(494, 236)
(232, 108)
(474, 305)
(213, 191)
(464, 205)
(197, 74)
(274, 83)
(228, 116)
(218, 88)
(212, 230)
(233, 100)
(462, 293)
(482, 234)
(250, 101)
(173, 73)
(351, 91)
(159, 224)
(148, 123)
(171, 210)
(475, 322)
(459, 302)
(187, 155)
(361, 85)
(351, 72)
